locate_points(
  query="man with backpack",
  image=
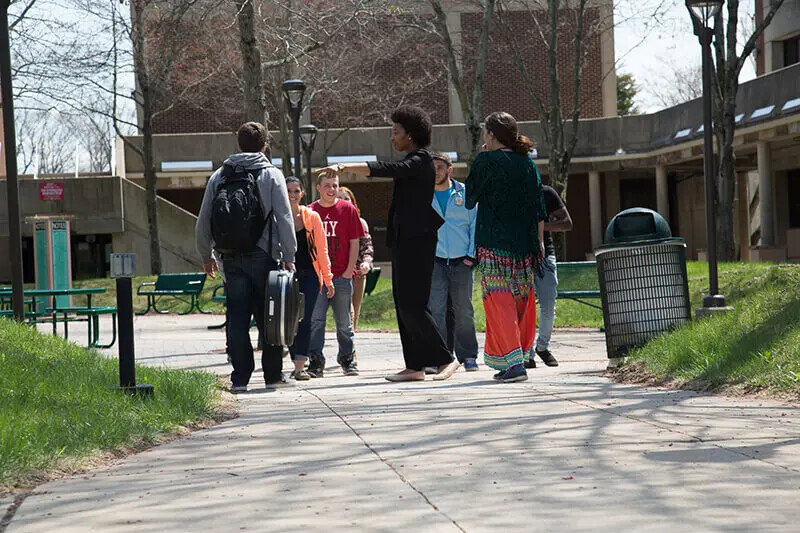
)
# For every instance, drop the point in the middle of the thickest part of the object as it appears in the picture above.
(246, 219)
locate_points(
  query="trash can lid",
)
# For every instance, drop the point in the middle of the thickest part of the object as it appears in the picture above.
(636, 225)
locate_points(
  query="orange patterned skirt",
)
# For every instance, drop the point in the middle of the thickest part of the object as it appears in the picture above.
(510, 304)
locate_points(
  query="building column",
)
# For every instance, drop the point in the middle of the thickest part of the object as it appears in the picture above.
(766, 203)
(662, 192)
(595, 209)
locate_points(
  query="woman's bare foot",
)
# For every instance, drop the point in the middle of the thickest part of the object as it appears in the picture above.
(407, 375)
(445, 371)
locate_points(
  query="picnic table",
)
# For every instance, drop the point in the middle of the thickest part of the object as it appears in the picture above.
(66, 314)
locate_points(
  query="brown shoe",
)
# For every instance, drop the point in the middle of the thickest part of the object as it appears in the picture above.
(406, 375)
(445, 371)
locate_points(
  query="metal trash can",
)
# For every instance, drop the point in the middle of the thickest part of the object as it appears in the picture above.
(643, 283)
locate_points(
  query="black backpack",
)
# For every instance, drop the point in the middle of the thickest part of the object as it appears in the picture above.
(237, 217)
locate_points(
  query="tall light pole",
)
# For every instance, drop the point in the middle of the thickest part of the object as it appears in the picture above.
(293, 91)
(308, 135)
(12, 186)
(703, 12)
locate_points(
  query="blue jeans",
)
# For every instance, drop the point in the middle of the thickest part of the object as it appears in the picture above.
(546, 287)
(341, 301)
(245, 284)
(309, 286)
(454, 279)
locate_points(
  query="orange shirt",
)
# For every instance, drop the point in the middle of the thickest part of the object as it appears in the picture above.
(317, 245)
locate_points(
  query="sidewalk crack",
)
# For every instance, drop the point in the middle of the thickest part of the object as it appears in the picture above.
(385, 462)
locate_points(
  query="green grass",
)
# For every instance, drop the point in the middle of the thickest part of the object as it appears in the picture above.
(57, 410)
(755, 347)
(377, 311)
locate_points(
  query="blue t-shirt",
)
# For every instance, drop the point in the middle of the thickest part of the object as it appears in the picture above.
(442, 197)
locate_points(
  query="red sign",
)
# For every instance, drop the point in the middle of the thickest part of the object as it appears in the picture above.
(51, 190)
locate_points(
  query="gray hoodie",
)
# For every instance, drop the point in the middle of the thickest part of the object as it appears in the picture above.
(272, 191)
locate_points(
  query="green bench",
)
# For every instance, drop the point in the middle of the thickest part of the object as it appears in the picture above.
(90, 315)
(31, 316)
(218, 295)
(177, 286)
(578, 281)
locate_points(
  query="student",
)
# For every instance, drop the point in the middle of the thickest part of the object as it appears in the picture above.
(313, 271)
(251, 241)
(343, 230)
(505, 185)
(364, 261)
(546, 277)
(454, 265)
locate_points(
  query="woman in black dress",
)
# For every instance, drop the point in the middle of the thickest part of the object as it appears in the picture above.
(412, 234)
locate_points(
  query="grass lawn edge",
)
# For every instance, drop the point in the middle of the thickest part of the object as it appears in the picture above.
(226, 407)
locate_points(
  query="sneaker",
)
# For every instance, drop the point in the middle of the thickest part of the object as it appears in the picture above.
(514, 373)
(238, 388)
(279, 383)
(302, 375)
(470, 364)
(499, 375)
(431, 369)
(547, 357)
(350, 369)
(530, 363)
(315, 372)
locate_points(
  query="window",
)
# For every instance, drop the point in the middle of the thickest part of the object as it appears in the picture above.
(791, 51)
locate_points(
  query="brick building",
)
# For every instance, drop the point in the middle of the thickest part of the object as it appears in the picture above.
(374, 75)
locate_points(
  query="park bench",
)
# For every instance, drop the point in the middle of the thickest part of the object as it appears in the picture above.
(90, 315)
(177, 286)
(578, 281)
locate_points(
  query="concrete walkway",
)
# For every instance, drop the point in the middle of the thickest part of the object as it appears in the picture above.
(565, 451)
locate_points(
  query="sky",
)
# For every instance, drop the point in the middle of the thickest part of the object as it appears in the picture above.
(645, 45)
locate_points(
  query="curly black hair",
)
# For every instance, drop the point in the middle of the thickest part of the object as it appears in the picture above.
(416, 122)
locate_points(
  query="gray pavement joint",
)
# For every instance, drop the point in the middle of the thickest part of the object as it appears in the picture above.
(385, 462)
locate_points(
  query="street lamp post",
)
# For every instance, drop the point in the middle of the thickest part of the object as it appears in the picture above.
(702, 12)
(12, 185)
(293, 91)
(308, 135)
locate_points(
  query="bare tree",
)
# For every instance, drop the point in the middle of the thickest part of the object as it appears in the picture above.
(729, 60)
(676, 83)
(553, 21)
(162, 45)
(45, 141)
(471, 106)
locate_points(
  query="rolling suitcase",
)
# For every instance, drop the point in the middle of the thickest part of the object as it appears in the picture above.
(284, 307)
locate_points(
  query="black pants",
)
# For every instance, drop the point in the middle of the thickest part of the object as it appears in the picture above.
(412, 270)
(245, 284)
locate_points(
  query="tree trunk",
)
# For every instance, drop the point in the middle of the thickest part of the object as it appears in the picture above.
(255, 105)
(470, 107)
(150, 181)
(151, 185)
(726, 174)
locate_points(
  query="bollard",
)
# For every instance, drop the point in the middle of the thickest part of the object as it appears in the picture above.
(123, 267)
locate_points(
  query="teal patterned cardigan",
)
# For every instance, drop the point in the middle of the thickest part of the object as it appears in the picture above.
(507, 188)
